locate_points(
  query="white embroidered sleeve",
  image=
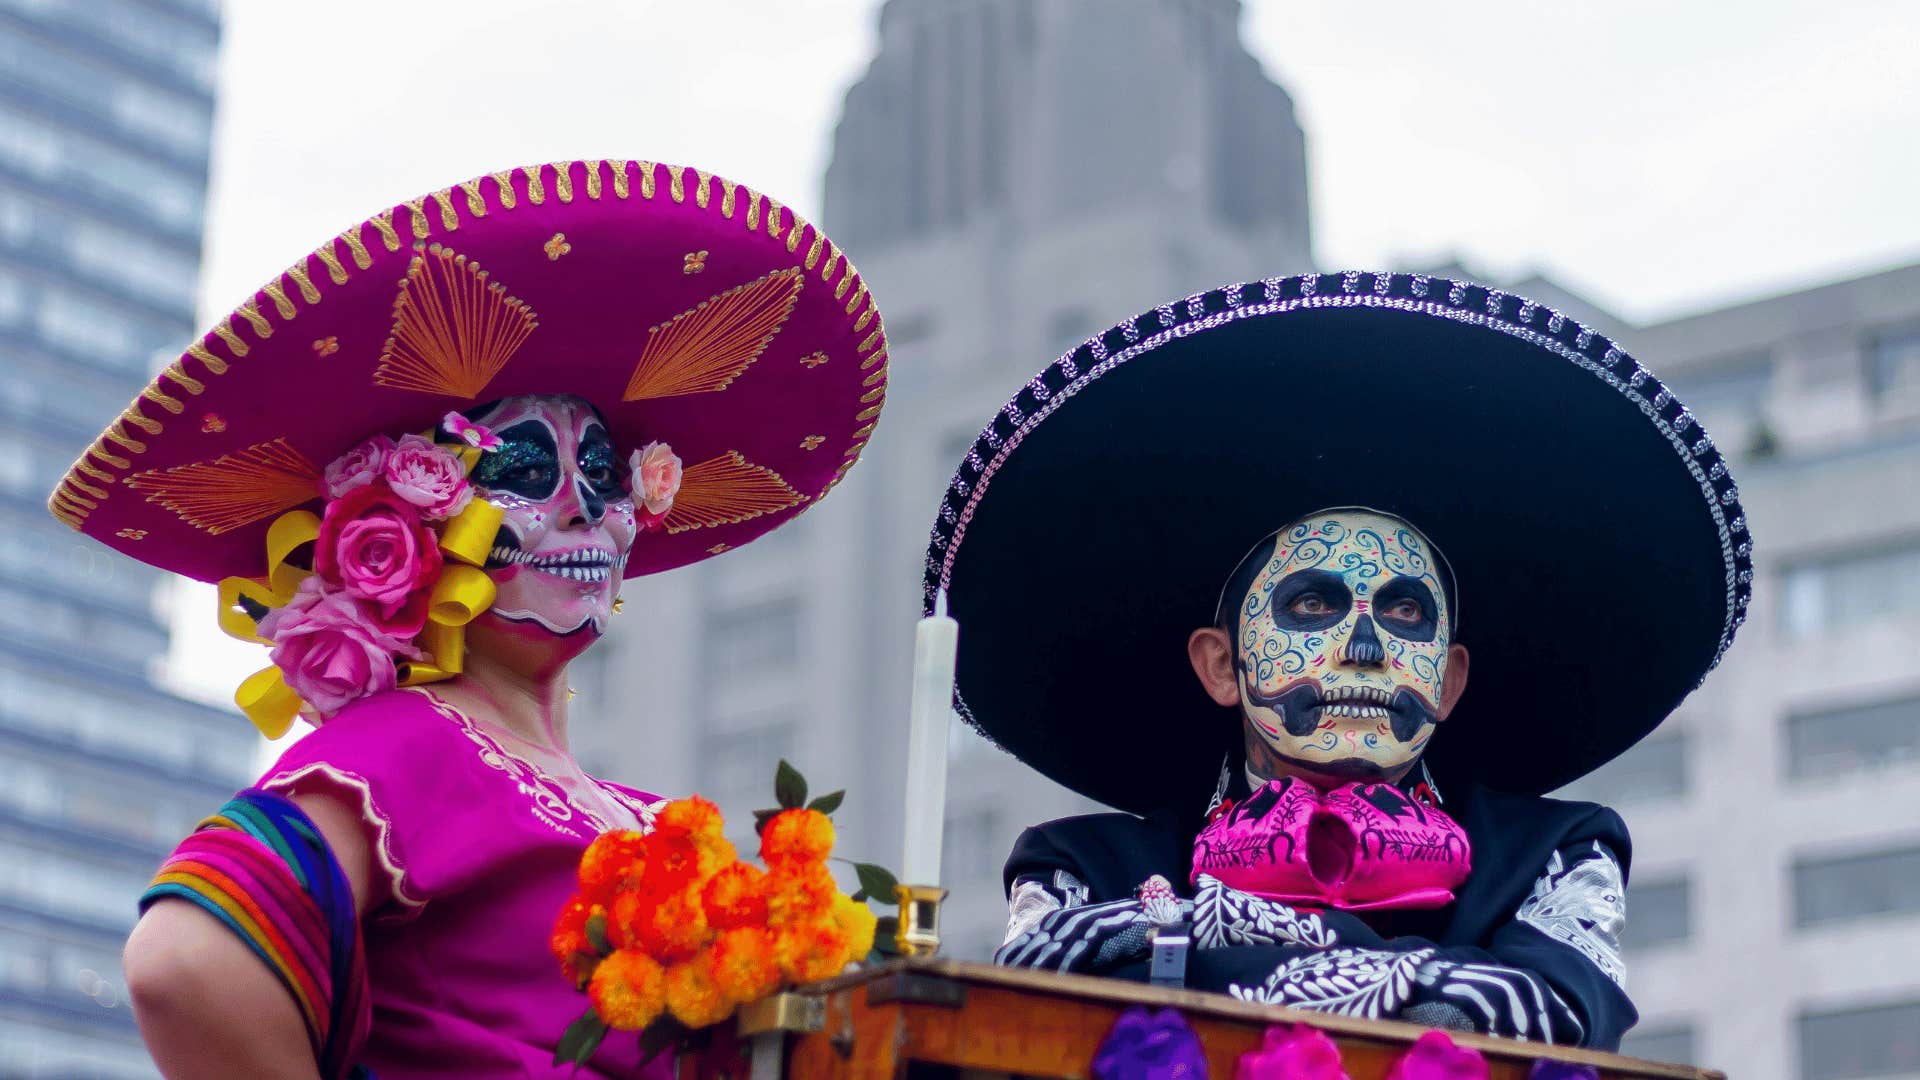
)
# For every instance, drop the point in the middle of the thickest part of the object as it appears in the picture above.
(1583, 904)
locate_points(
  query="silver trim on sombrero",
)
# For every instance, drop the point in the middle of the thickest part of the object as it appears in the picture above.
(1027, 410)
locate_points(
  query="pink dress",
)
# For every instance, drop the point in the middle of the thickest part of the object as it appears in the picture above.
(475, 852)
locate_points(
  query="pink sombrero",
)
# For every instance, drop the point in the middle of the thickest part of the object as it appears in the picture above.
(687, 309)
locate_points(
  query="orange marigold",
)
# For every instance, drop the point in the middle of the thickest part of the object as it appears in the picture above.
(859, 923)
(613, 861)
(809, 951)
(629, 990)
(673, 862)
(796, 835)
(744, 967)
(798, 892)
(692, 814)
(569, 943)
(666, 928)
(692, 995)
(736, 896)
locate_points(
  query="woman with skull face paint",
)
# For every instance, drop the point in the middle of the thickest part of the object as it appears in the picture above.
(1257, 647)
(421, 464)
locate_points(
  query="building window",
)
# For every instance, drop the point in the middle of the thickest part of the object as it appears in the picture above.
(1844, 1045)
(1856, 886)
(1843, 591)
(736, 769)
(745, 642)
(973, 847)
(1853, 740)
(1663, 1042)
(1658, 913)
(1896, 363)
(1734, 385)
(1653, 769)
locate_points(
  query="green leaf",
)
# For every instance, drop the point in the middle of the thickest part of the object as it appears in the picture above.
(829, 802)
(877, 882)
(789, 787)
(885, 931)
(663, 1034)
(597, 933)
(760, 819)
(859, 897)
(582, 1038)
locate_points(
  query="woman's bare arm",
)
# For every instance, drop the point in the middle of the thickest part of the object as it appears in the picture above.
(206, 1004)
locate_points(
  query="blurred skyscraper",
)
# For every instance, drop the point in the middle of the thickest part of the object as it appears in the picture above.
(105, 115)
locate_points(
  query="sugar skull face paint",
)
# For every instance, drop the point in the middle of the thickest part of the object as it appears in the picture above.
(1341, 649)
(569, 520)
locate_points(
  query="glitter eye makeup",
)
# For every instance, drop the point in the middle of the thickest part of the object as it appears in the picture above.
(600, 465)
(527, 463)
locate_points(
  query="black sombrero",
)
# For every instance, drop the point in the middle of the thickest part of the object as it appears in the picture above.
(1597, 541)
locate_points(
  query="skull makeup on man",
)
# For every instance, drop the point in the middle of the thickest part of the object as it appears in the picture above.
(1268, 676)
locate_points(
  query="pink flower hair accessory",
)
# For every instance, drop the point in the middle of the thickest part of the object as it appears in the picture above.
(330, 649)
(1435, 1056)
(654, 473)
(373, 545)
(430, 477)
(478, 436)
(358, 467)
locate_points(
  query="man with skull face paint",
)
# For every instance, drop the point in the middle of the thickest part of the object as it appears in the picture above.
(421, 464)
(1321, 804)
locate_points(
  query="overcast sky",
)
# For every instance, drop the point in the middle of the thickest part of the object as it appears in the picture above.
(1657, 156)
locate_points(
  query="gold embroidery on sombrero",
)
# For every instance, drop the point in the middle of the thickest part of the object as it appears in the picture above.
(814, 359)
(706, 347)
(812, 442)
(556, 246)
(693, 262)
(453, 330)
(727, 490)
(234, 489)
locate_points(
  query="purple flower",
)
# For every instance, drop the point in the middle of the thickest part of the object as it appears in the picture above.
(1150, 1046)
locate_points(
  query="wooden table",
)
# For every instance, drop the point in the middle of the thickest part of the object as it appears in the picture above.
(943, 1018)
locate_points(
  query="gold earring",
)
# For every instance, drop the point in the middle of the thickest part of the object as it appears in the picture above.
(619, 605)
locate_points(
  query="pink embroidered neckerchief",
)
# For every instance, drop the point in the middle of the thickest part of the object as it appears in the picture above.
(1360, 847)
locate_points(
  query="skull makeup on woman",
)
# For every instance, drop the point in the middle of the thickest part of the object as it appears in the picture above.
(426, 467)
(1317, 803)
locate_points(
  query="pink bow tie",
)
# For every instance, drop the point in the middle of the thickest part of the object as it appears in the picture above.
(1360, 847)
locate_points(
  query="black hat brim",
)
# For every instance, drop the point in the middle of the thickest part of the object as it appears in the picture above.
(1596, 540)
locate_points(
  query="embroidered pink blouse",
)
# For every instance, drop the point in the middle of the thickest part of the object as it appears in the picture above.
(478, 849)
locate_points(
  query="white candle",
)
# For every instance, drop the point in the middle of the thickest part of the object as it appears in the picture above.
(934, 644)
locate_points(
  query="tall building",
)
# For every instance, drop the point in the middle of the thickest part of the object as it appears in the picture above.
(105, 116)
(1773, 917)
(1011, 176)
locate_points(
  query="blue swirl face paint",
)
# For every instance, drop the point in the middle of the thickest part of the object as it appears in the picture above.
(1341, 647)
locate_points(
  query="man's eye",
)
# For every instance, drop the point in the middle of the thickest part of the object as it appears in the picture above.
(1404, 611)
(1310, 604)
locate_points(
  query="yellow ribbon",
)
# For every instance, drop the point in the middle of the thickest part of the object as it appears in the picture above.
(446, 649)
(268, 701)
(286, 535)
(468, 536)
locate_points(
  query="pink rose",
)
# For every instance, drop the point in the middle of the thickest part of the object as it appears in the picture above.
(428, 476)
(329, 649)
(358, 467)
(655, 477)
(478, 436)
(373, 545)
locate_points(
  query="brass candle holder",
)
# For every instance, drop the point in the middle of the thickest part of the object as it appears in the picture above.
(919, 932)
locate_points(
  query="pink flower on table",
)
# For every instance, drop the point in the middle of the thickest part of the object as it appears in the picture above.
(1435, 1056)
(373, 545)
(478, 436)
(654, 477)
(428, 476)
(329, 648)
(358, 467)
(1292, 1052)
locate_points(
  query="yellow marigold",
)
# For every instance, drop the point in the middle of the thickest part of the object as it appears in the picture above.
(809, 951)
(569, 942)
(612, 862)
(798, 892)
(693, 997)
(744, 967)
(858, 921)
(796, 835)
(667, 928)
(628, 990)
(735, 897)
